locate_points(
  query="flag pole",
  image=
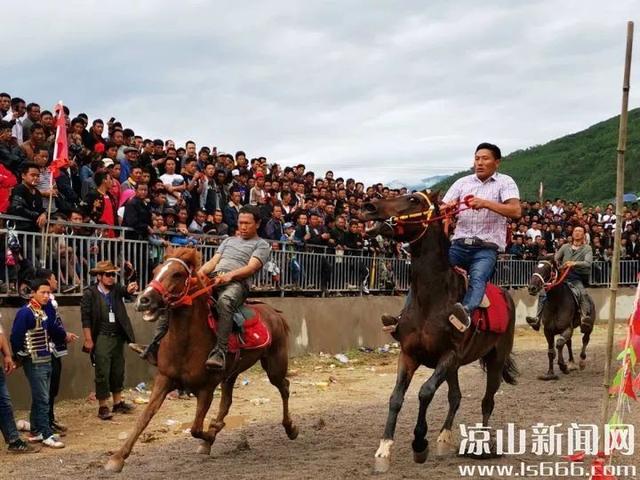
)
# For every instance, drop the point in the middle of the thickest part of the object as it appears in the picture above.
(45, 233)
(615, 263)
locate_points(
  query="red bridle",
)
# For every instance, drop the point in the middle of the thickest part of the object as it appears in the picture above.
(557, 277)
(425, 217)
(185, 296)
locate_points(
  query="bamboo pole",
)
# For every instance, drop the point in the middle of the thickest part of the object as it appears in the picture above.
(615, 263)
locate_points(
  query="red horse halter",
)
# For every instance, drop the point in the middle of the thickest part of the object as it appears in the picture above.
(184, 297)
(555, 279)
(425, 217)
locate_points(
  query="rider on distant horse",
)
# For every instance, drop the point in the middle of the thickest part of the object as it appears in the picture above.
(236, 260)
(579, 256)
(480, 231)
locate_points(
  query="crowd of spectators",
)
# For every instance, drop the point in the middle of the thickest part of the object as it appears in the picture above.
(169, 194)
(544, 228)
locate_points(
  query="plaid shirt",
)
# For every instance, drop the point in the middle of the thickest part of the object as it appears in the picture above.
(484, 223)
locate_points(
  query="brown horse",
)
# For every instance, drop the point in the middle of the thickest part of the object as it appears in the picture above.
(560, 316)
(426, 336)
(184, 349)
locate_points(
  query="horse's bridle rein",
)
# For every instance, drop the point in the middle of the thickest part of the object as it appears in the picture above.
(185, 296)
(424, 216)
(556, 278)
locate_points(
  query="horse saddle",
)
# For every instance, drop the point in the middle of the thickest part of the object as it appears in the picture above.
(493, 313)
(249, 329)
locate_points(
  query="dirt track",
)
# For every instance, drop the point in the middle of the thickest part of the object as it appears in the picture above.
(340, 412)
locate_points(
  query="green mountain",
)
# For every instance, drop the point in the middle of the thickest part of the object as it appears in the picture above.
(580, 166)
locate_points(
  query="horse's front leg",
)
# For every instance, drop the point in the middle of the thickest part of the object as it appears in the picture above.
(161, 387)
(565, 336)
(406, 368)
(551, 353)
(447, 363)
(445, 444)
(572, 364)
(205, 396)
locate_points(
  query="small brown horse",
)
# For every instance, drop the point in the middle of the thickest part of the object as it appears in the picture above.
(184, 349)
(560, 316)
(426, 336)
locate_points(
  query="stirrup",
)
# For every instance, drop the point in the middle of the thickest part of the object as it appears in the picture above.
(211, 365)
(456, 322)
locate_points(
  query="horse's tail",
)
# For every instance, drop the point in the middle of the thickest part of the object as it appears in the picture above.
(510, 371)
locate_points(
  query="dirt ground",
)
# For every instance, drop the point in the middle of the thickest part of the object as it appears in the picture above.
(340, 410)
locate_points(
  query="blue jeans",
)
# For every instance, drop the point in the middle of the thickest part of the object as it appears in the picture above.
(39, 376)
(7, 420)
(479, 263)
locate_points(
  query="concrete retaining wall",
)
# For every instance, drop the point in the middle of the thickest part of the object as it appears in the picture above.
(317, 324)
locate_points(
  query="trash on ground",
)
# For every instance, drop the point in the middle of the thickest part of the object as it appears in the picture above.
(259, 401)
(341, 357)
(141, 387)
(123, 435)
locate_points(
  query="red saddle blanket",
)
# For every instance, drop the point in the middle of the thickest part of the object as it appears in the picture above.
(255, 333)
(494, 318)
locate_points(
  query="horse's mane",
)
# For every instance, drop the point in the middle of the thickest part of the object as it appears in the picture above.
(189, 255)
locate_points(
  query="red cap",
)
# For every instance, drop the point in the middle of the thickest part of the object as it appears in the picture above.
(98, 147)
(259, 175)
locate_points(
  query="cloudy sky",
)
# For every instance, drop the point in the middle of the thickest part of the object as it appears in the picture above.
(374, 90)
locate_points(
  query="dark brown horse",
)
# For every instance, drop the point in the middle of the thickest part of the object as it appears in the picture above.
(426, 336)
(560, 316)
(184, 349)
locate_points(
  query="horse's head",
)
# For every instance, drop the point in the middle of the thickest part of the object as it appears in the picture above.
(404, 218)
(544, 272)
(170, 284)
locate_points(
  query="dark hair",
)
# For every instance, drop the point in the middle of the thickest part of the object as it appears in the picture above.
(128, 132)
(240, 152)
(100, 177)
(31, 105)
(28, 166)
(492, 148)
(251, 210)
(158, 143)
(44, 274)
(5, 95)
(15, 101)
(190, 142)
(36, 126)
(76, 120)
(190, 160)
(46, 112)
(76, 210)
(38, 282)
(4, 125)
(109, 145)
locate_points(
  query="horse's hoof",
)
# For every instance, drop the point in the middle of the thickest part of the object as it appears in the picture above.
(204, 448)
(382, 465)
(572, 367)
(421, 457)
(564, 369)
(548, 376)
(583, 364)
(293, 432)
(114, 465)
(445, 445)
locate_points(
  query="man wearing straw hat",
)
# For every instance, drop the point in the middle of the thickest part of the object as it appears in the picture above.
(107, 328)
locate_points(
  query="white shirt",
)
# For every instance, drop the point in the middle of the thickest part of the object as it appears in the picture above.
(174, 180)
(532, 233)
(17, 130)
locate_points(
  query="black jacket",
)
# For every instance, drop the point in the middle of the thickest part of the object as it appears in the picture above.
(137, 215)
(94, 310)
(12, 158)
(26, 204)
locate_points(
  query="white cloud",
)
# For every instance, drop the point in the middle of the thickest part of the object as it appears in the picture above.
(377, 91)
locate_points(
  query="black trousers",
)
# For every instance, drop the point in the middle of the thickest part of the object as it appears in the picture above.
(54, 386)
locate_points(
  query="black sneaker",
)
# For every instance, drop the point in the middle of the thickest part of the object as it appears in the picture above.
(216, 360)
(123, 407)
(20, 446)
(533, 322)
(104, 413)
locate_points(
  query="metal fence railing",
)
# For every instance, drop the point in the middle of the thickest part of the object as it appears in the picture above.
(290, 269)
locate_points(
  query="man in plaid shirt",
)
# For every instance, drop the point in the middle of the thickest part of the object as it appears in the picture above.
(481, 230)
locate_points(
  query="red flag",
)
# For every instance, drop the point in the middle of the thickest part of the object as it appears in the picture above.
(61, 148)
(628, 386)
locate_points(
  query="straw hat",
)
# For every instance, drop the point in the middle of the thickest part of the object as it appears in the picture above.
(104, 266)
